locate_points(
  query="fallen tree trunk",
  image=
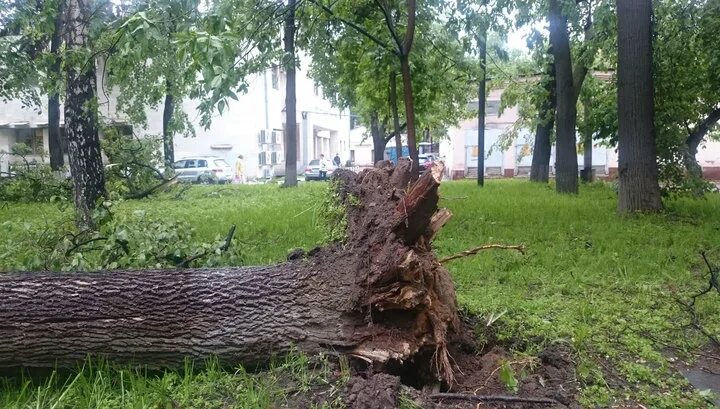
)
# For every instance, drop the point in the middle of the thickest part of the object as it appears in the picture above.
(380, 295)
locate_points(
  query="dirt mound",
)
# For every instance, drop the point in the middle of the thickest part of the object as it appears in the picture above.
(548, 377)
(496, 372)
(380, 391)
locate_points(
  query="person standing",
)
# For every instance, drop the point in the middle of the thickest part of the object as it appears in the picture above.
(336, 160)
(323, 167)
(240, 170)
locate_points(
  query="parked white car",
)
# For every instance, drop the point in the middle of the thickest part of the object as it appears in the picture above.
(203, 169)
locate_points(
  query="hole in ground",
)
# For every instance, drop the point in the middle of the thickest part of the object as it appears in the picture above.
(416, 373)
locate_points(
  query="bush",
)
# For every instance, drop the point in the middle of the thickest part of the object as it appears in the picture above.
(133, 164)
(32, 182)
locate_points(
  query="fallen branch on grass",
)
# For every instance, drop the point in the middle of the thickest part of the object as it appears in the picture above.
(225, 246)
(473, 251)
(147, 192)
(490, 398)
(179, 195)
(713, 284)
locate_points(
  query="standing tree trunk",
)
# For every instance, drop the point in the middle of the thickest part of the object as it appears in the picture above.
(290, 100)
(586, 174)
(693, 143)
(378, 137)
(566, 115)
(482, 51)
(168, 138)
(407, 85)
(409, 113)
(381, 295)
(637, 167)
(540, 168)
(396, 118)
(81, 127)
(55, 142)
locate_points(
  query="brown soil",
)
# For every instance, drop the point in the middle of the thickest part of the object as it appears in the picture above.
(549, 375)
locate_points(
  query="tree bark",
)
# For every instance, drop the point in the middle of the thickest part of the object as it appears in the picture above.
(396, 117)
(566, 115)
(168, 138)
(290, 100)
(639, 190)
(695, 139)
(55, 142)
(81, 127)
(586, 174)
(381, 295)
(482, 50)
(407, 84)
(378, 138)
(540, 167)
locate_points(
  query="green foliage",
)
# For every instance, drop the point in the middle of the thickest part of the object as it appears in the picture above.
(133, 163)
(29, 181)
(507, 377)
(333, 213)
(354, 71)
(122, 241)
(232, 40)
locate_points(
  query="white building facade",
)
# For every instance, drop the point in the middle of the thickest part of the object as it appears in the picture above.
(253, 126)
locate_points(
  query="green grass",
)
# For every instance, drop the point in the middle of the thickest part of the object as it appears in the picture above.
(605, 285)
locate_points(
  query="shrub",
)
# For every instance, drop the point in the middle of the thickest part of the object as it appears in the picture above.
(29, 181)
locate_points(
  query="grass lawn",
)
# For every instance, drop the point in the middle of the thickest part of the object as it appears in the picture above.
(605, 285)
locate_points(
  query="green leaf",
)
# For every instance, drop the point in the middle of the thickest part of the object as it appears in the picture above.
(507, 377)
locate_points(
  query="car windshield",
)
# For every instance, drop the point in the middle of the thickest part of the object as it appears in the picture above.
(221, 162)
(314, 162)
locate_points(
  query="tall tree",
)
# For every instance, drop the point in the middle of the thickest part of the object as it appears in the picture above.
(290, 109)
(478, 18)
(639, 189)
(353, 54)
(55, 141)
(566, 111)
(586, 173)
(482, 85)
(81, 125)
(542, 148)
(395, 115)
(404, 50)
(144, 64)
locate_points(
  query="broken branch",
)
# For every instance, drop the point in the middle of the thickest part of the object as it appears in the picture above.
(490, 398)
(471, 252)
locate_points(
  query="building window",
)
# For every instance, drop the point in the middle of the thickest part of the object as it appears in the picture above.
(316, 90)
(353, 121)
(352, 155)
(32, 137)
(262, 158)
(275, 77)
